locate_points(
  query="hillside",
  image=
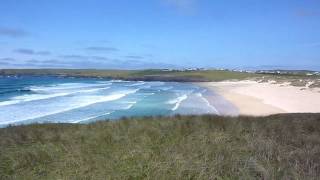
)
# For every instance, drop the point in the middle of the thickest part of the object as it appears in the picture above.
(181, 147)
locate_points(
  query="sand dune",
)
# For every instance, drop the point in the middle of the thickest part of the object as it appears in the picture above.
(254, 98)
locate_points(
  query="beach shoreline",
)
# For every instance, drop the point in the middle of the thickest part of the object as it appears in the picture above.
(221, 104)
(261, 99)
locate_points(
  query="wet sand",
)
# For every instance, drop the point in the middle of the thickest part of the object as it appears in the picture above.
(222, 105)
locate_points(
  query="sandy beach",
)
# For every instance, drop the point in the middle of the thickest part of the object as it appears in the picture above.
(256, 99)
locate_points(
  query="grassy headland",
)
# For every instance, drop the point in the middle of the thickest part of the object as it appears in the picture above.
(143, 75)
(296, 78)
(181, 147)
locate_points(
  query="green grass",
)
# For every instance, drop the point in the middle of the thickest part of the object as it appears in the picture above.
(69, 72)
(210, 75)
(181, 147)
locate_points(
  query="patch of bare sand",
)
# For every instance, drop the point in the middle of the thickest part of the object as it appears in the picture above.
(254, 98)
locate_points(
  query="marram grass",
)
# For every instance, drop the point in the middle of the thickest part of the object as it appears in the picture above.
(180, 147)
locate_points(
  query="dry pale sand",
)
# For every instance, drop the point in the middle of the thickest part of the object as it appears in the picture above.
(254, 98)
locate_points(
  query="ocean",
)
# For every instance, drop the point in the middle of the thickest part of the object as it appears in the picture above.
(43, 99)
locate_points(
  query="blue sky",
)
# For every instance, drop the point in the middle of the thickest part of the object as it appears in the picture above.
(159, 33)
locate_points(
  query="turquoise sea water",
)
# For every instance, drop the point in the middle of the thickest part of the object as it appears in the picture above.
(31, 99)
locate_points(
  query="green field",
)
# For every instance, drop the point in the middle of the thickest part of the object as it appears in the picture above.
(148, 75)
(181, 147)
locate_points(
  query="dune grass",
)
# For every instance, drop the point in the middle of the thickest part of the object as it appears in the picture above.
(181, 147)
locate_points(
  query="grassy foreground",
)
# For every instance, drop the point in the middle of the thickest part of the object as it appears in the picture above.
(181, 147)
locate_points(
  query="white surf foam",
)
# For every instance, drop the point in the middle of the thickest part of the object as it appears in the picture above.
(10, 102)
(119, 81)
(92, 117)
(65, 86)
(136, 84)
(166, 88)
(92, 90)
(130, 105)
(79, 102)
(178, 101)
(30, 97)
(37, 97)
(208, 103)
